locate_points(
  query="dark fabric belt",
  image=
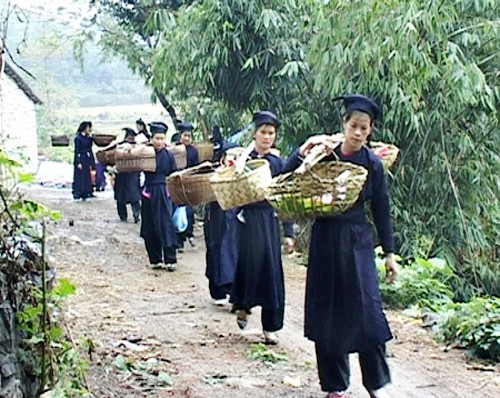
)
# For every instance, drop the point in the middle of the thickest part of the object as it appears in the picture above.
(264, 204)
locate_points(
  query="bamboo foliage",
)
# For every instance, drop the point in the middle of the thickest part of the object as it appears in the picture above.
(434, 66)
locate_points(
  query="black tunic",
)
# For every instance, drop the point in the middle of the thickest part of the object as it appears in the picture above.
(343, 309)
(259, 274)
(159, 222)
(127, 187)
(192, 157)
(221, 242)
(82, 184)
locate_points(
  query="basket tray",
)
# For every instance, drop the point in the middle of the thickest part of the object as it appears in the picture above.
(234, 190)
(328, 188)
(133, 158)
(388, 153)
(179, 152)
(59, 140)
(106, 157)
(102, 140)
(205, 150)
(192, 186)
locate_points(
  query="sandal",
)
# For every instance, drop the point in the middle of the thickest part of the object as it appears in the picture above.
(270, 338)
(380, 393)
(241, 319)
(335, 394)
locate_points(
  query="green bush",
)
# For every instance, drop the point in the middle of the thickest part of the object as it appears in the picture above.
(429, 286)
(474, 325)
(424, 283)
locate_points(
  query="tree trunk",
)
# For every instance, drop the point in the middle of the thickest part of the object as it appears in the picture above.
(170, 109)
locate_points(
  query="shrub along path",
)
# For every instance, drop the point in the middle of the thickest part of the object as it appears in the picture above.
(157, 334)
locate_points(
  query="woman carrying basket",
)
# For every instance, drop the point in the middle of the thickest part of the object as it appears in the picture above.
(259, 277)
(185, 130)
(83, 162)
(157, 227)
(220, 232)
(127, 188)
(343, 309)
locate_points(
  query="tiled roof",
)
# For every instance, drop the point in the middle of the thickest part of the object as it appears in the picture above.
(9, 71)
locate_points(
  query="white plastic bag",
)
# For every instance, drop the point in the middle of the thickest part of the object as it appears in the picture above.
(180, 219)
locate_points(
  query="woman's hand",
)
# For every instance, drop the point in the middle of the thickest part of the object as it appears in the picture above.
(289, 245)
(316, 140)
(392, 268)
(79, 165)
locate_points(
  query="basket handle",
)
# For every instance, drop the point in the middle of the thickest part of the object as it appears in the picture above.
(242, 159)
(203, 125)
(318, 153)
(194, 168)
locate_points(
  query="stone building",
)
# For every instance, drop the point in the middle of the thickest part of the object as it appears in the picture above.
(18, 125)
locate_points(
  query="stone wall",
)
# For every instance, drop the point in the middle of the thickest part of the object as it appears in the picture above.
(14, 383)
(16, 281)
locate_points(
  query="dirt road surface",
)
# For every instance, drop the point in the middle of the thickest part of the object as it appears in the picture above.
(157, 334)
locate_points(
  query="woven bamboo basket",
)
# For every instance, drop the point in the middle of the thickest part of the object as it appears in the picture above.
(205, 150)
(106, 157)
(388, 153)
(233, 189)
(192, 186)
(102, 140)
(317, 189)
(133, 158)
(179, 152)
(59, 140)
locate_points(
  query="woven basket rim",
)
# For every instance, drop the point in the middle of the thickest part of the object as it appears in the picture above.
(218, 178)
(285, 184)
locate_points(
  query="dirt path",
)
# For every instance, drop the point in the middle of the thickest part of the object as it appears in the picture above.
(134, 314)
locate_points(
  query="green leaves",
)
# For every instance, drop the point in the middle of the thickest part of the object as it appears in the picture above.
(63, 288)
(261, 352)
(424, 283)
(474, 325)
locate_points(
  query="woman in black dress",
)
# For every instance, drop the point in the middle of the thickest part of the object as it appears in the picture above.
(219, 229)
(185, 138)
(142, 132)
(127, 187)
(157, 227)
(83, 163)
(343, 310)
(259, 277)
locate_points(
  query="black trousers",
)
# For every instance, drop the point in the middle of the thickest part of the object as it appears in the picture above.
(189, 232)
(334, 371)
(122, 210)
(218, 292)
(271, 318)
(158, 254)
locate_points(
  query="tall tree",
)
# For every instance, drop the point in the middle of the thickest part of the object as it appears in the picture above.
(247, 55)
